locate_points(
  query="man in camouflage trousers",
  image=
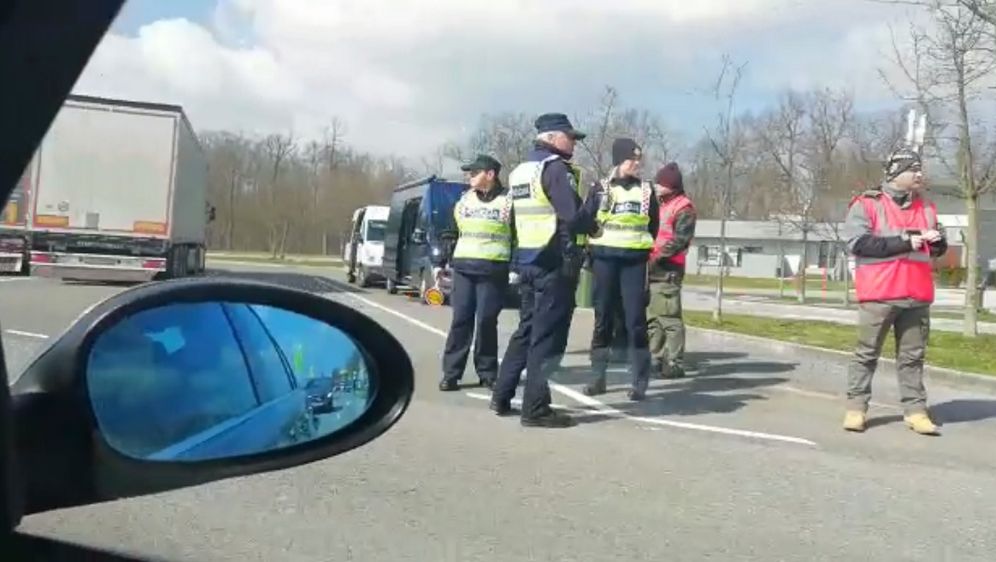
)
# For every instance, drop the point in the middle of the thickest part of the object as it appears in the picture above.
(665, 326)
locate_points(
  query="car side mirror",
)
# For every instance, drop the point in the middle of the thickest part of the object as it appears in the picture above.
(189, 381)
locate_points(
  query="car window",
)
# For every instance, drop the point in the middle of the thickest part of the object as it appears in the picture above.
(192, 374)
(375, 231)
(268, 369)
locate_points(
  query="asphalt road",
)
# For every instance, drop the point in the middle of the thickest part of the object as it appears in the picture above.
(744, 461)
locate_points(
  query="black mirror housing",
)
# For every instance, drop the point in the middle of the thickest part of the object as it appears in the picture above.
(64, 459)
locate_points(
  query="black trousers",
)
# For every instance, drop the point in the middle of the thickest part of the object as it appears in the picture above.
(480, 298)
(621, 279)
(547, 300)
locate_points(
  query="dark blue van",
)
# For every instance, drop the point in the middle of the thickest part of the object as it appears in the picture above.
(419, 225)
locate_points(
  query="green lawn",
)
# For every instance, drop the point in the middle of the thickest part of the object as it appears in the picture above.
(946, 349)
(812, 283)
(321, 261)
(983, 316)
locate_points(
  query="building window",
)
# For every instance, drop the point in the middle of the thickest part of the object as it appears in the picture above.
(828, 254)
(709, 255)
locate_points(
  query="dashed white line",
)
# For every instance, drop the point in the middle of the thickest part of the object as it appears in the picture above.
(26, 334)
(598, 406)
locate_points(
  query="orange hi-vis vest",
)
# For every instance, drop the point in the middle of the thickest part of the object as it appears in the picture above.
(904, 276)
(665, 232)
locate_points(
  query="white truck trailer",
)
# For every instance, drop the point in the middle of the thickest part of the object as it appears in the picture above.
(118, 193)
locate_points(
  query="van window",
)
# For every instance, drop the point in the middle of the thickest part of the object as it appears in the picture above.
(375, 231)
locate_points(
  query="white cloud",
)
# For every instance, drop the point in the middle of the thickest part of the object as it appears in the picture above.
(407, 75)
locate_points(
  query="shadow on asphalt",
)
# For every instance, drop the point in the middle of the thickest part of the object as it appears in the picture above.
(960, 411)
(708, 392)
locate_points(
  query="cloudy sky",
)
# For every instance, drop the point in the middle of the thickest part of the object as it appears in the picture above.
(407, 75)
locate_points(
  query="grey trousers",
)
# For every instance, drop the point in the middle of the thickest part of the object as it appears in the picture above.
(911, 321)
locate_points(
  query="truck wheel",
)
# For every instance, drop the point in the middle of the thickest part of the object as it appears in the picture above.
(361, 277)
(178, 262)
(392, 287)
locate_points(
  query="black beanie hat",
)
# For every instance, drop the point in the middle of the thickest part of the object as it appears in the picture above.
(625, 149)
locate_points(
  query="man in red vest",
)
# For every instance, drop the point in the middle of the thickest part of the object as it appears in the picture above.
(893, 233)
(665, 327)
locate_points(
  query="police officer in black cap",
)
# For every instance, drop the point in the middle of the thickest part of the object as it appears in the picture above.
(627, 215)
(480, 264)
(550, 225)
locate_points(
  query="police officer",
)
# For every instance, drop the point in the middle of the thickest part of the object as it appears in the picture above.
(548, 220)
(667, 271)
(893, 233)
(480, 267)
(627, 220)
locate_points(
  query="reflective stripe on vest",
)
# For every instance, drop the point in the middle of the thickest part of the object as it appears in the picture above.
(665, 233)
(485, 228)
(625, 224)
(535, 218)
(904, 276)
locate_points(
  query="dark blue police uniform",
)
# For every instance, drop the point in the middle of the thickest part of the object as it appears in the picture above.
(547, 277)
(479, 287)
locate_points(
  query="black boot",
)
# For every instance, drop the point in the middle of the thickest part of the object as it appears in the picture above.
(449, 385)
(595, 387)
(501, 407)
(549, 418)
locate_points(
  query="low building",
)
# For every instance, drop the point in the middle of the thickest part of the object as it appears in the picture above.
(773, 248)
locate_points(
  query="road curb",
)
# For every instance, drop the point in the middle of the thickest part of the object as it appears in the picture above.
(961, 380)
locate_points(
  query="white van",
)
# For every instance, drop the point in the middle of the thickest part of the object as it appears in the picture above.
(364, 251)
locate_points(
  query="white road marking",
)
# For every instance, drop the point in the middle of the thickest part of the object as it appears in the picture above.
(598, 406)
(827, 396)
(26, 334)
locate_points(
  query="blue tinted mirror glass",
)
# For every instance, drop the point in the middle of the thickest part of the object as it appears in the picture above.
(201, 381)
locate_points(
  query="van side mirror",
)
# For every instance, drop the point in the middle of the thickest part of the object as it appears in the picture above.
(418, 237)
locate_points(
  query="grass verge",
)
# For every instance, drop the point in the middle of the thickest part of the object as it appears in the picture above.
(812, 284)
(321, 261)
(946, 349)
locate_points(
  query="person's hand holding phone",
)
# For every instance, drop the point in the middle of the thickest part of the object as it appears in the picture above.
(932, 236)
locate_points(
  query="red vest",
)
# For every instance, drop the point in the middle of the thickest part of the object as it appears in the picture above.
(665, 233)
(905, 276)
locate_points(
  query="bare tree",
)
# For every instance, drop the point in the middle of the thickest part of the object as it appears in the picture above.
(947, 71)
(829, 118)
(726, 142)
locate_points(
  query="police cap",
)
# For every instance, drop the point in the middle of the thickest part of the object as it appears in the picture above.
(557, 122)
(483, 162)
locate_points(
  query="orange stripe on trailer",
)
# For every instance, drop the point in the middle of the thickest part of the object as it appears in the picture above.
(51, 220)
(149, 227)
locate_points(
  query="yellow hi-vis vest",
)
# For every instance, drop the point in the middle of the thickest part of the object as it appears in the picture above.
(625, 225)
(535, 218)
(485, 228)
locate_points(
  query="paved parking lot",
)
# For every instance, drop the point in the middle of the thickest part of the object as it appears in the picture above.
(744, 461)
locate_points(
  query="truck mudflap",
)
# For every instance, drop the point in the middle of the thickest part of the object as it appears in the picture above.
(96, 267)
